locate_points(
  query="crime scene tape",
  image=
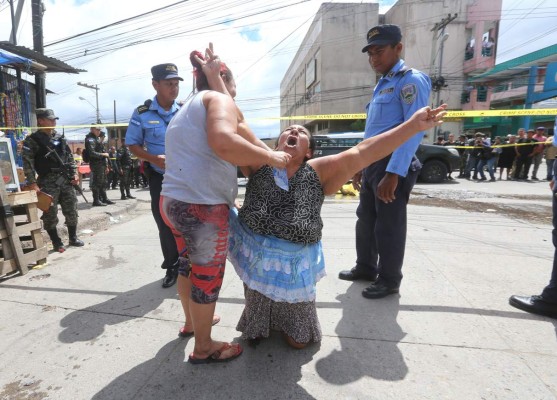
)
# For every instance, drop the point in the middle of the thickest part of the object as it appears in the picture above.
(449, 115)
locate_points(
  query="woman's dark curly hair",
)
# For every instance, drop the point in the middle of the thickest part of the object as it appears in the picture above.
(201, 82)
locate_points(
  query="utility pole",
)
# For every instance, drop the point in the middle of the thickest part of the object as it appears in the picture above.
(37, 11)
(96, 89)
(15, 19)
(437, 79)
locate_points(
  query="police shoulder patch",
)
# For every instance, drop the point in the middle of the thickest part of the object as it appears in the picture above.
(142, 108)
(408, 93)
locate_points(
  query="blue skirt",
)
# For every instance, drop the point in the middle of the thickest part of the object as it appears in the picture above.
(281, 270)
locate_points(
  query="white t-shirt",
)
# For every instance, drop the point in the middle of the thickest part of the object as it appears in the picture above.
(194, 173)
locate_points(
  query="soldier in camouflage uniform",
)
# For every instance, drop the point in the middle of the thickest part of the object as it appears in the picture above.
(124, 165)
(50, 180)
(98, 162)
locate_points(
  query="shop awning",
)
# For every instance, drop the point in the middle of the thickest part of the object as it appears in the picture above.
(7, 58)
(39, 61)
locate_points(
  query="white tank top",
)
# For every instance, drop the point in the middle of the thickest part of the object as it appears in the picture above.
(194, 173)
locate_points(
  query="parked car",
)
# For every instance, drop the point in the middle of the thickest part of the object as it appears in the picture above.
(437, 161)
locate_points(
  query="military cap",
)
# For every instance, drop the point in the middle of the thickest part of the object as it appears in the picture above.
(45, 113)
(381, 35)
(165, 71)
(100, 128)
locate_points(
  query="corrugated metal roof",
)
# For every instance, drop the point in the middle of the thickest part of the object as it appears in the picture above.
(545, 55)
(52, 64)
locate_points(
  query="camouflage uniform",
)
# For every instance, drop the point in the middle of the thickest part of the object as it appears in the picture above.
(51, 181)
(98, 164)
(124, 164)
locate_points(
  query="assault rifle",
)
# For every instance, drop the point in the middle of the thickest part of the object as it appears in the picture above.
(65, 171)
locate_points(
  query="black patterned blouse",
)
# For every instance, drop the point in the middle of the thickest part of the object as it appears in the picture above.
(292, 215)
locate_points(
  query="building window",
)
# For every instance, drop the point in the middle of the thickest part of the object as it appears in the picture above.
(482, 94)
(465, 97)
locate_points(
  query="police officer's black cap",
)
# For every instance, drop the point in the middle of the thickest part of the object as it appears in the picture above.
(45, 113)
(165, 71)
(381, 35)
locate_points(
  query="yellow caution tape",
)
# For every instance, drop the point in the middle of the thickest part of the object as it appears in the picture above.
(450, 114)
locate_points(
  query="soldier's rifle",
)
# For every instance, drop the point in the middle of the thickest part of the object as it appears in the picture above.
(65, 170)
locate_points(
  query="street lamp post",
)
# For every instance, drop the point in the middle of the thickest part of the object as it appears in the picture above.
(84, 99)
(96, 89)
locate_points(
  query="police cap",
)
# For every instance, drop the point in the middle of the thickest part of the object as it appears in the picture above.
(165, 71)
(381, 35)
(540, 128)
(45, 113)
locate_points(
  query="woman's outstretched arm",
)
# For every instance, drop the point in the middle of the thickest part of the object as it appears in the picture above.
(336, 170)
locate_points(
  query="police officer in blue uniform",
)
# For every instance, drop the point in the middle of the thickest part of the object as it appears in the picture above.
(145, 138)
(386, 184)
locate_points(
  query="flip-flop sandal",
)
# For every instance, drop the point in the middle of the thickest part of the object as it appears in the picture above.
(215, 357)
(183, 333)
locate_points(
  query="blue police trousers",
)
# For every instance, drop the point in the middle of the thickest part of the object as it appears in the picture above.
(550, 291)
(381, 227)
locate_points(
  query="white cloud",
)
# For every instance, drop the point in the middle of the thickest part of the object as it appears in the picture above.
(123, 76)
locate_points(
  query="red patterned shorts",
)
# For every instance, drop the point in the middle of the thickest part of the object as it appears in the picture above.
(201, 234)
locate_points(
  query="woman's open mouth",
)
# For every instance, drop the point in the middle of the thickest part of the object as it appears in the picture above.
(292, 141)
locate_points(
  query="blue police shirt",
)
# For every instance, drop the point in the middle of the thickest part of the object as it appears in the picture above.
(396, 97)
(149, 128)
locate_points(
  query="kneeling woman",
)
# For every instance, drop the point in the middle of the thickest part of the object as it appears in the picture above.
(275, 240)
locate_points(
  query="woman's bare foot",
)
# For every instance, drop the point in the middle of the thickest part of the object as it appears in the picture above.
(187, 329)
(292, 343)
(218, 352)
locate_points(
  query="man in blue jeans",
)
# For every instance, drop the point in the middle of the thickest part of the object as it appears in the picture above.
(546, 302)
(387, 183)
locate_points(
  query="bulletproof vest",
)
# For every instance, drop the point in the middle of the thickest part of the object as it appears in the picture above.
(125, 157)
(43, 164)
(98, 147)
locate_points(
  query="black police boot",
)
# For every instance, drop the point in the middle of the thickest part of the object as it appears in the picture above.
(57, 244)
(74, 241)
(96, 199)
(129, 195)
(104, 198)
(123, 197)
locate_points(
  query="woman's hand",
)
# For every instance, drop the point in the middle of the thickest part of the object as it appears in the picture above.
(211, 64)
(426, 118)
(278, 159)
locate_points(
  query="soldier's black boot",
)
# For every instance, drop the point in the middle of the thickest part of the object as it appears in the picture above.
(104, 198)
(57, 244)
(129, 195)
(74, 241)
(96, 200)
(123, 197)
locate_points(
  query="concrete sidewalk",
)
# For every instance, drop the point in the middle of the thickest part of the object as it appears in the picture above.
(95, 322)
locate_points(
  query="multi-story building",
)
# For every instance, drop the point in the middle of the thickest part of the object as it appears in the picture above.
(434, 36)
(455, 40)
(329, 73)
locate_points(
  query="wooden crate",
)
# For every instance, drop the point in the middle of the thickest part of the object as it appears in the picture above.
(28, 228)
